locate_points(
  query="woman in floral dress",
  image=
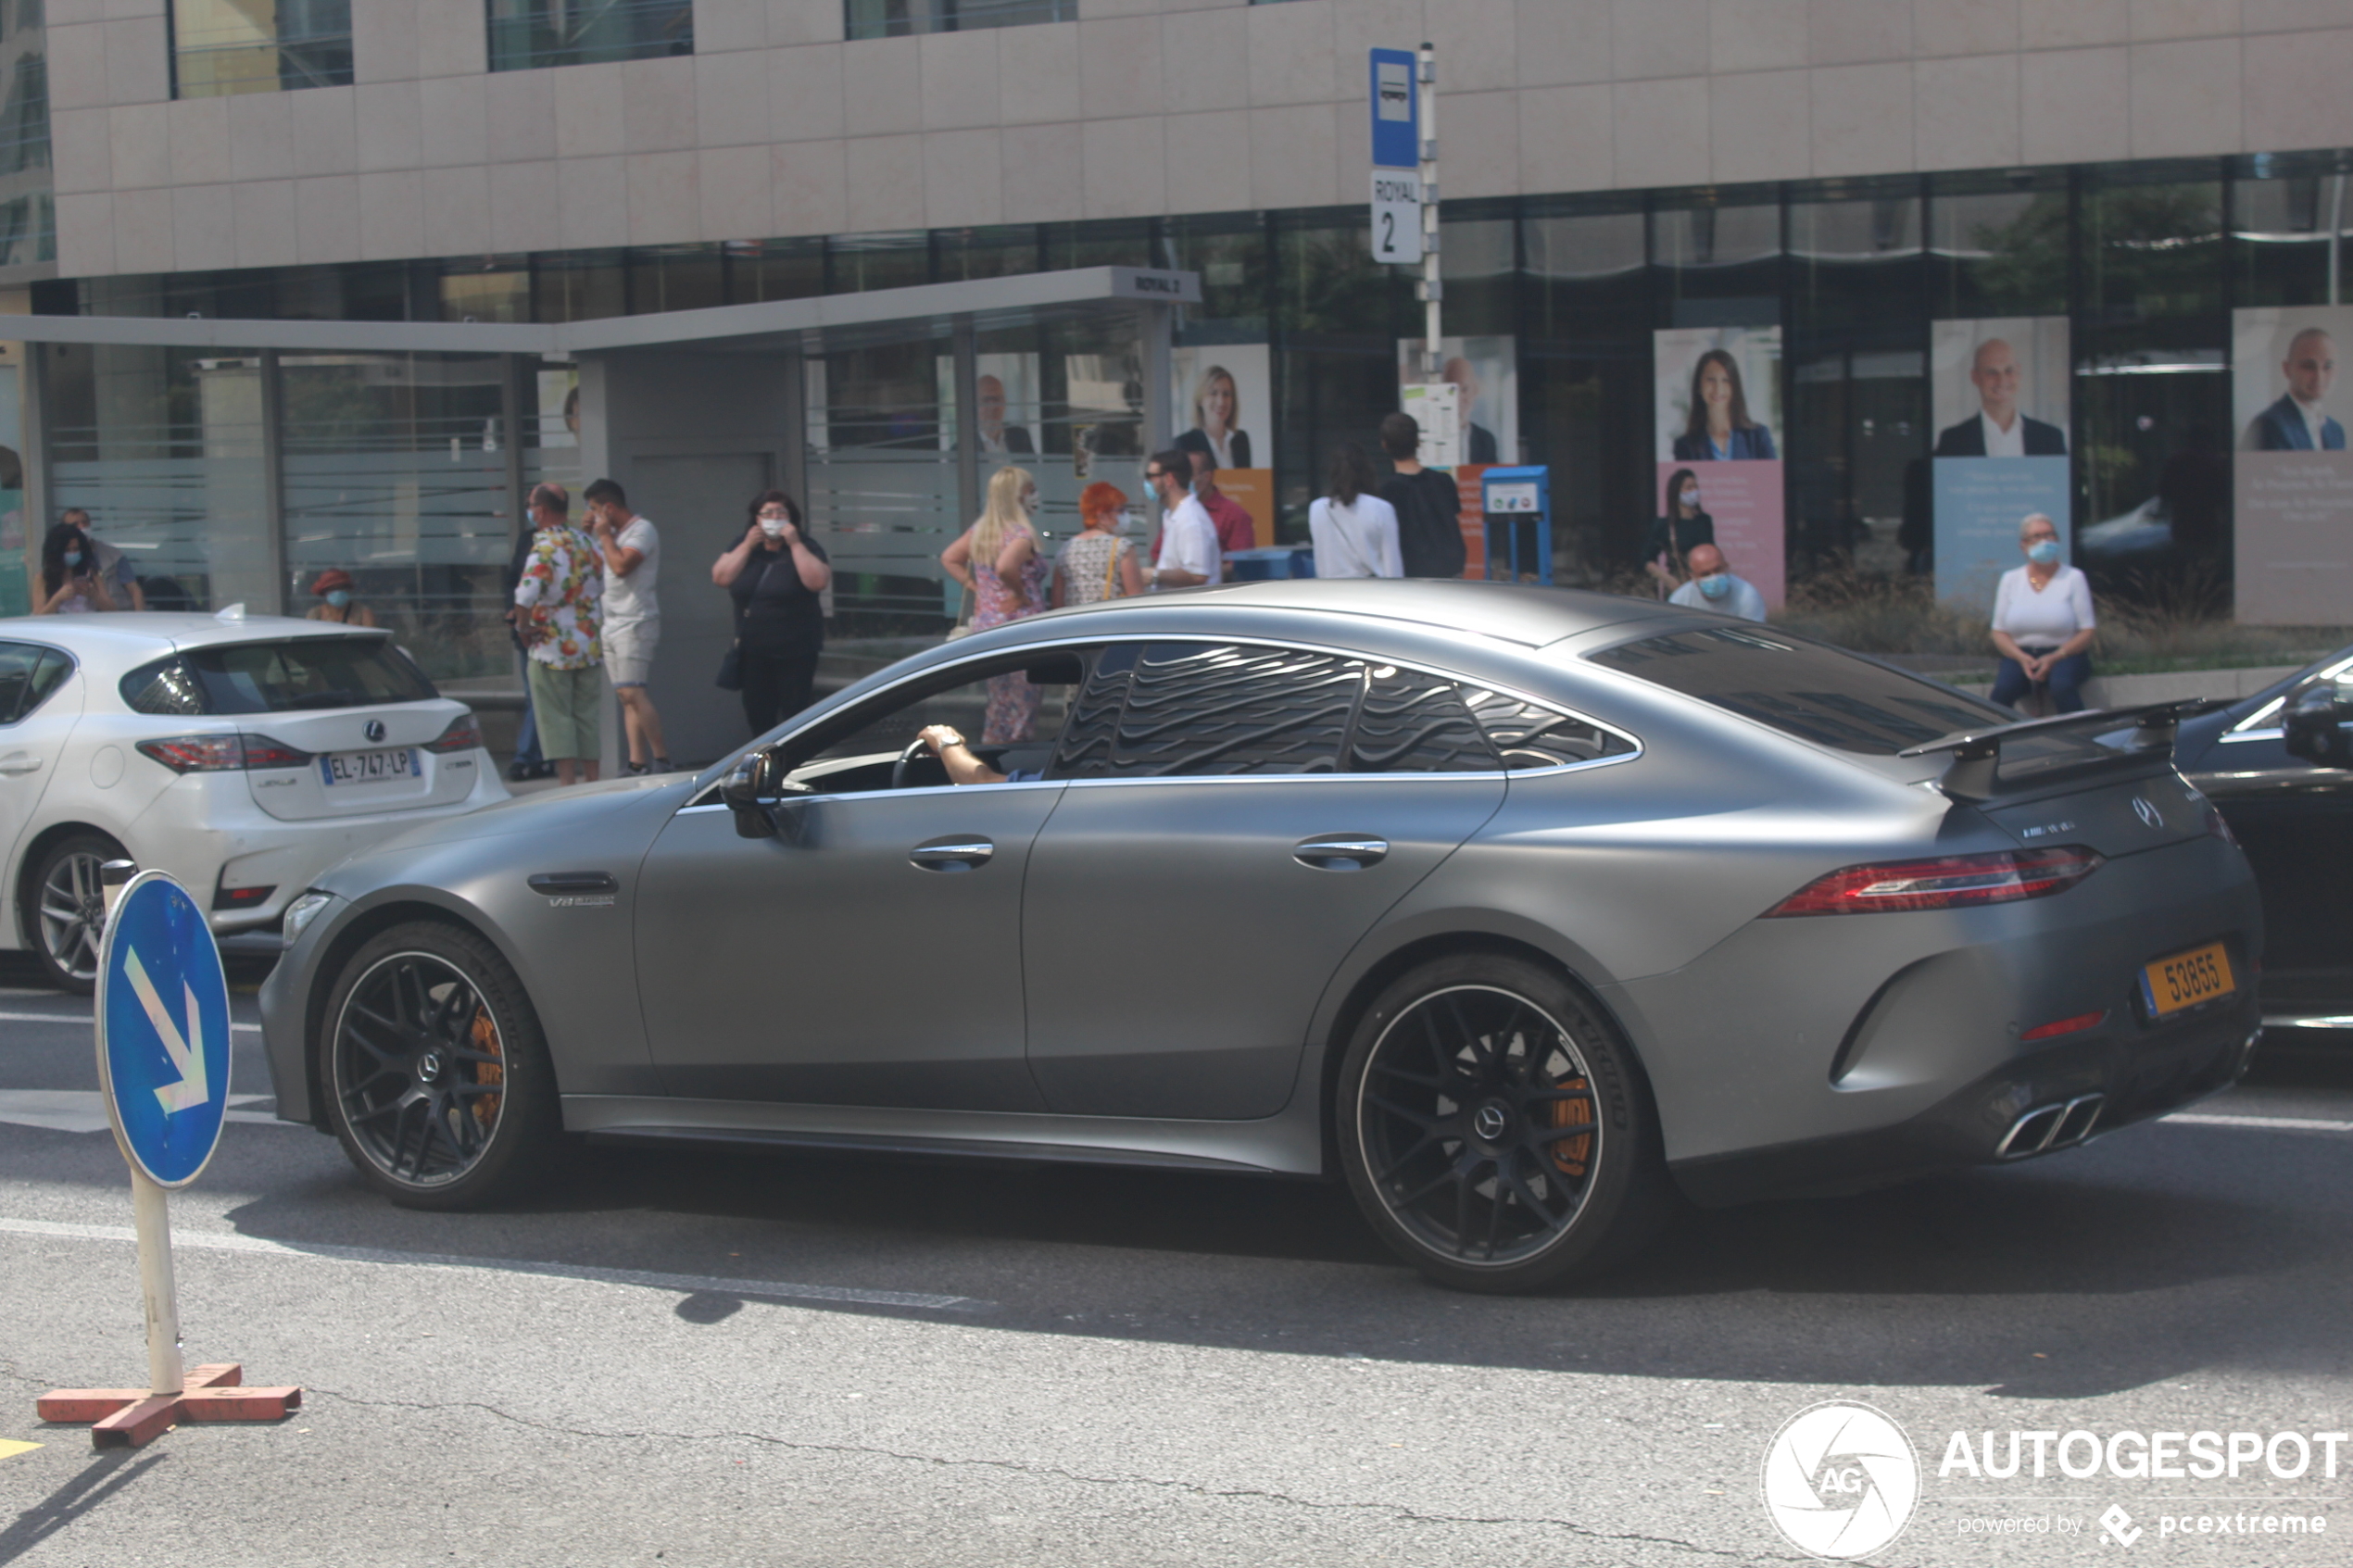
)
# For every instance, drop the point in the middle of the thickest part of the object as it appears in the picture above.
(997, 561)
(1096, 564)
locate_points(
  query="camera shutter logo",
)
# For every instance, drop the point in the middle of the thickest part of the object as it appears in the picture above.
(1841, 1480)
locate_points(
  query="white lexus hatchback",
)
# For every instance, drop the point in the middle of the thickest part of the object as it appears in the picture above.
(242, 755)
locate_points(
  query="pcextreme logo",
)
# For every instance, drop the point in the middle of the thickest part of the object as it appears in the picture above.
(1841, 1480)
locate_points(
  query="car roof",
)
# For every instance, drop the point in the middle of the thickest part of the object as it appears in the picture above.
(1529, 615)
(143, 634)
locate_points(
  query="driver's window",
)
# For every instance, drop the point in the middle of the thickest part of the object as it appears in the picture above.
(1012, 714)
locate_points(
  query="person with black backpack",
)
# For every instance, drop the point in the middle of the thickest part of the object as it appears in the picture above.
(1429, 534)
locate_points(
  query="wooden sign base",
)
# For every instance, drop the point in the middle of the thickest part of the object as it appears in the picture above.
(131, 1418)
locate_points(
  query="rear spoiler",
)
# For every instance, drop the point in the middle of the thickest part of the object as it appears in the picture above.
(1975, 771)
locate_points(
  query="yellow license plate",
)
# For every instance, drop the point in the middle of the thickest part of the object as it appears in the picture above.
(2183, 980)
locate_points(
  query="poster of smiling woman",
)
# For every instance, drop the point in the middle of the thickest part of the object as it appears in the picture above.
(1718, 420)
(2294, 470)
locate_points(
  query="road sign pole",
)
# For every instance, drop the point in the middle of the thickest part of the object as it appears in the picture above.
(1432, 289)
(165, 1074)
(151, 1215)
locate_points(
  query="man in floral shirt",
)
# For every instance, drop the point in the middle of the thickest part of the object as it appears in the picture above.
(562, 582)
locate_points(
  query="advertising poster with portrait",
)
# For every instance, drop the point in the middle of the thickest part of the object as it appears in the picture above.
(2292, 469)
(1005, 397)
(1484, 372)
(1223, 395)
(1720, 422)
(1998, 394)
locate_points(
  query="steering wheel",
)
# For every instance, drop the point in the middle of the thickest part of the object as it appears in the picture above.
(901, 769)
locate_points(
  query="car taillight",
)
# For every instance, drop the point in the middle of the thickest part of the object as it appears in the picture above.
(463, 735)
(222, 754)
(1948, 882)
(241, 898)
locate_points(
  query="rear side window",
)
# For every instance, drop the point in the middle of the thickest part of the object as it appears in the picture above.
(1802, 688)
(28, 674)
(296, 675)
(1179, 709)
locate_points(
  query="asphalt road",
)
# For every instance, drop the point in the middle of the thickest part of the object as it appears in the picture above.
(690, 1357)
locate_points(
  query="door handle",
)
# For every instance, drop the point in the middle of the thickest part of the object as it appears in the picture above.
(1341, 852)
(951, 854)
(19, 764)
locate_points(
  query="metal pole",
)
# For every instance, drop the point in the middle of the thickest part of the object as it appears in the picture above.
(152, 1216)
(1432, 289)
(2336, 232)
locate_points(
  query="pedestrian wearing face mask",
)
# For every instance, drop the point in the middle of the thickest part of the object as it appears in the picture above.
(1096, 563)
(1713, 586)
(335, 603)
(997, 561)
(70, 581)
(777, 575)
(1670, 541)
(2042, 623)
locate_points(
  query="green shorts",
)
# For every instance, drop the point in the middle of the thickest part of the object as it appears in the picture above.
(566, 703)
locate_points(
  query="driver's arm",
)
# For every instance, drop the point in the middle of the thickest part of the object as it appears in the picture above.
(963, 767)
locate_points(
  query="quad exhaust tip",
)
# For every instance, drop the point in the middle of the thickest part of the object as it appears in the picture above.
(2058, 1125)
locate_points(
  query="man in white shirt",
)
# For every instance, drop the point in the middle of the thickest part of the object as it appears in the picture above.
(1189, 553)
(1713, 586)
(631, 549)
(1999, 430)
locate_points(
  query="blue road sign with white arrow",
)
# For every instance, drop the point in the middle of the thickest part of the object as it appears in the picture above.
(163, 1029)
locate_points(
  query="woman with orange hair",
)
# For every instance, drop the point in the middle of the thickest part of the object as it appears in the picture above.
(1096, 564)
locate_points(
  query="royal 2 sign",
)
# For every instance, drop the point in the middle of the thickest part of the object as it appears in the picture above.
(163, 1029)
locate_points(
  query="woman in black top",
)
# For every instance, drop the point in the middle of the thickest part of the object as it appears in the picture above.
(1684, 529)
(776, 573)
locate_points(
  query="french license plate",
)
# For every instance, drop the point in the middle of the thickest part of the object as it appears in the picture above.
(2183, 980)
(368, 767)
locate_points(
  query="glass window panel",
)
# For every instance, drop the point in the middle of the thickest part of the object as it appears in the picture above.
(578, 285)
(855, 263)
(2291, 217)
(162, 447)
(762, 270)
(883, 494)
(1999, 249)
(1720, 264)
(500, 295)
(901, 18)
(24, 115)
(525, 34)
(676, 277)
(1198, 710)
(1231, 258)
(394, 470)
(225, 46)
(984, 253)
(1478, 259)
(1411, 722)
(2153, 248)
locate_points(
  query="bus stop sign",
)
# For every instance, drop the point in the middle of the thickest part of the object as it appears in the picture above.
(163, 1029)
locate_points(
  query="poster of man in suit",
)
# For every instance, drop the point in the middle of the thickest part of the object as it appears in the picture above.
(2293, 475)
(1998, 391)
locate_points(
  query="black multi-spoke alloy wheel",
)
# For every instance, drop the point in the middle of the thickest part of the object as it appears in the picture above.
(435, 1073)
(65, 910)
(1495, 1129)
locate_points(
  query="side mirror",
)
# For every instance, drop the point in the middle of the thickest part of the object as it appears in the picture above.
(754, 789)
(2313, 725)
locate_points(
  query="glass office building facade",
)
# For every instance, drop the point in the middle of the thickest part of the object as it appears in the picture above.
(229, 470)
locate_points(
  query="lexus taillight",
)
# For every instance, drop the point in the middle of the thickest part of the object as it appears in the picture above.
(462, 735)
(1947, 881)
(222, 754)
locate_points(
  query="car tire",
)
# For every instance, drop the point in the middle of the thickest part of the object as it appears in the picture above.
(435, 1071)
(64, 909)
(1495, 1128)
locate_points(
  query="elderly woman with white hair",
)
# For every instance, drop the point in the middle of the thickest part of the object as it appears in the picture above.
(2042, 623)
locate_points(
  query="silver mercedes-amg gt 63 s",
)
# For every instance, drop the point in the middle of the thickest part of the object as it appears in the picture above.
(1524, 911)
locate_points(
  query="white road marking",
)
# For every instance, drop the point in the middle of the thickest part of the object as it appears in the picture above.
(85, 1018)
(2291, 1123)
(222, 1241)
(84, 1110)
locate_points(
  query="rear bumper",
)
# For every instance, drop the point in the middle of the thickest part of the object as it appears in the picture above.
(2135, 1078)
